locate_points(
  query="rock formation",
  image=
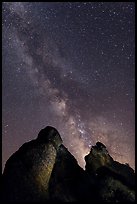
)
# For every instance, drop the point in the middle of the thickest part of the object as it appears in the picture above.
(44, 170)
(113, 182)
(27, 173)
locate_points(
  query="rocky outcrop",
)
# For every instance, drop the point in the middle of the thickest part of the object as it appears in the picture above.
(69, 181)
(113, 182)
(27, 173)
(44, 170)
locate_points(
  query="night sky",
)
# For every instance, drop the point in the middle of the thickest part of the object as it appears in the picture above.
(71, 66)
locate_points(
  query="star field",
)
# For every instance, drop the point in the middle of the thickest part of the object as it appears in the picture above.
(69, 65)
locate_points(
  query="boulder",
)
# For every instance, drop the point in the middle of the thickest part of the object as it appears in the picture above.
(27, 172)
(113, 181)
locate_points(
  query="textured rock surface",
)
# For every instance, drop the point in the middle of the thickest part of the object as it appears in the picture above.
(113, 182)
(44, 170)
(68, 180)
(27, 172)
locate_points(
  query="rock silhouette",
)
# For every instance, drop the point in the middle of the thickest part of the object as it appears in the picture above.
(44, 170)
(113, 182)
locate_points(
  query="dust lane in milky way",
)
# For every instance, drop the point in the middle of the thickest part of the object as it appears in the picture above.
(71, 66)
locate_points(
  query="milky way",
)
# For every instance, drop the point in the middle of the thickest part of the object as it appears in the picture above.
(71, 66)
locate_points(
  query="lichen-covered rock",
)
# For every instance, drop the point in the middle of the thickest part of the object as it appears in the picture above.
(27, 173)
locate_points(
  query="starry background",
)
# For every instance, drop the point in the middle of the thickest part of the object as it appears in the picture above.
(71, 66)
